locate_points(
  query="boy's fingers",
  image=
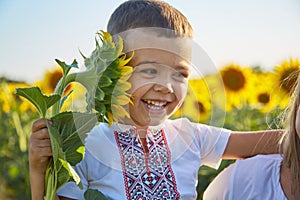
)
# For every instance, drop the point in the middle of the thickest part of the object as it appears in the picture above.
(45, 152)
(39, 124)
(42, 143)
(40, 134)
(41, 149)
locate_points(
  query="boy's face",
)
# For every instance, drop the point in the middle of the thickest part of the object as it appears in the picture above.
(159, 81)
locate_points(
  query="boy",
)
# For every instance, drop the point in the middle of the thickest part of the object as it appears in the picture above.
(149, 156)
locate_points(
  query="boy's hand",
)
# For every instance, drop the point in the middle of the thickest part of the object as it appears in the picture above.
(39, 146)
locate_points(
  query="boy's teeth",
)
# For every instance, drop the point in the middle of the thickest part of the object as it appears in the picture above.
(156, 103)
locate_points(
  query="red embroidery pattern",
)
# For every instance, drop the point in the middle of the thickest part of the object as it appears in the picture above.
(146, 177)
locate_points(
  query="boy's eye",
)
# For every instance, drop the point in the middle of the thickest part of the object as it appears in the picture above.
(180, 75)
(149, 71)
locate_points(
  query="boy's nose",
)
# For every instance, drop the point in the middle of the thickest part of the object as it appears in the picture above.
(163, 87)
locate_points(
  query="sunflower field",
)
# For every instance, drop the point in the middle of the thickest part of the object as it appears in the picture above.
(237, 98)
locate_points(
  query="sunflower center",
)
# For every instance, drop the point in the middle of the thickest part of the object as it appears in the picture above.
(234, 79)
(53, 79)
(288, 79)
(199, 105)
(263, 98)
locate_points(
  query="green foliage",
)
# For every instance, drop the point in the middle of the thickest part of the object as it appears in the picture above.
(94, 195)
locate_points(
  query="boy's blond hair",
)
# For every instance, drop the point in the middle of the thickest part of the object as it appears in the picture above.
(149, 13)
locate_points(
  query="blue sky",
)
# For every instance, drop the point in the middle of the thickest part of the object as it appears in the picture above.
(249, 32)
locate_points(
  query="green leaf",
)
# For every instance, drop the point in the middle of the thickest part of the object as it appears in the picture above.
(66, 135)
(70, 147)
(56, 143)
(73, 127)
(92, 194)
(63, 175)
(71, 122)
(66, 68)
(39, 100)
(66, 174)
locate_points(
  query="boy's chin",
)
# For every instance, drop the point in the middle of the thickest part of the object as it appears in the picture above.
(156, 122)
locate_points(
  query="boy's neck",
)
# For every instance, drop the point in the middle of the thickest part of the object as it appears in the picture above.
(140, 128)
(142, 133)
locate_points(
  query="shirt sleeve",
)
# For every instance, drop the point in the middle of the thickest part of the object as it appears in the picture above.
(253, 178)
(221, 187)
(71, 190)
(213, 142)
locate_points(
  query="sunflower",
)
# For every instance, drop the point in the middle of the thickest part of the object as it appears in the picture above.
(119, 96)
(105, 83)
(50, 80)
(285, 78)
(263, 97)
(237, 85)
(108, 95)
(196, 106)
(76, 100)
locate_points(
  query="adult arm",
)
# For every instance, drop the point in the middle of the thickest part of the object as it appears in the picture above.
(247, 144)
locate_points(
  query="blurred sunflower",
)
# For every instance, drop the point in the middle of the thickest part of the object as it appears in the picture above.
(237, 85)
(50, 80)
(196, 106)
(11, 101)
(285, 78)
(76, 101)
(263, 98)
